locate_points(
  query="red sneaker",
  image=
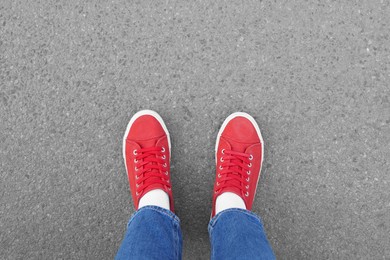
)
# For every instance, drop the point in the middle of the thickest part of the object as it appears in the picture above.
(239, 156)
(146, 151)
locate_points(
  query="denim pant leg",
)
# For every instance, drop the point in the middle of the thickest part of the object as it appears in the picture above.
(238, 234)
(152, 233)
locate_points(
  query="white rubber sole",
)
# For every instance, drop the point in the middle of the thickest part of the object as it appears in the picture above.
(253, 121)
(135, 117)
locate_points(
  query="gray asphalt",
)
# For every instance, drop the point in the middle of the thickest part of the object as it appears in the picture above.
(314, 74)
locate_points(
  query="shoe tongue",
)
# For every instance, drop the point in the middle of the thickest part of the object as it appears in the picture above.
(236, 146)
(153, 186)
(233, 190)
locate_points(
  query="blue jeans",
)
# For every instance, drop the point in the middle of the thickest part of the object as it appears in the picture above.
(154, 233)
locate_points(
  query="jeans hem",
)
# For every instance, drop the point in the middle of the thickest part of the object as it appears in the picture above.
(214, 220)
(158, 209)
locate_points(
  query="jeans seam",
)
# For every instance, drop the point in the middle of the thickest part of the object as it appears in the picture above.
(212, 248)
(210, 229)
(176, 237)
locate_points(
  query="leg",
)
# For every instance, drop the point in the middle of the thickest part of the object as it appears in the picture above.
(235, 232)
(152, 233)
(238, 234)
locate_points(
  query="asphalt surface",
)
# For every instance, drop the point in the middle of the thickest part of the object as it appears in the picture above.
(314, 74)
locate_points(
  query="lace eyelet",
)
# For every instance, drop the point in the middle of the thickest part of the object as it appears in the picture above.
(247, 186)
(247, 179)
(163, 157)
(223, 151)
(135, 152)
(168, 181)
(219, 175)
(216, 192)
(251, 157)
(248, 172)
(169, 188)
(136, 177)
(136, 185)
(217, 183)
(220, 167)
(221, 159)
(250, 165)
(163, 149)
(166, 173)
(136, 193)
(165, 165)
(136, 169)
(135, 160)
(247, 194)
